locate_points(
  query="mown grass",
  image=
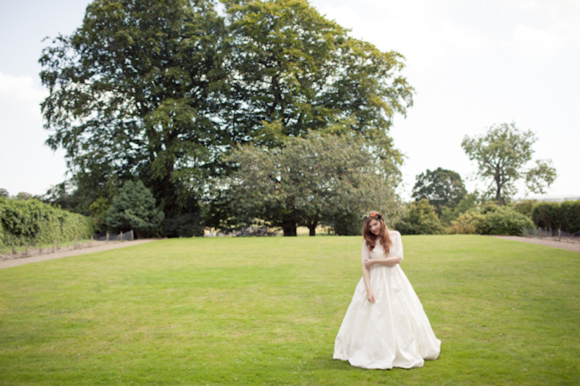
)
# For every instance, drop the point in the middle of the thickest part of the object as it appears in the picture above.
(267, 310)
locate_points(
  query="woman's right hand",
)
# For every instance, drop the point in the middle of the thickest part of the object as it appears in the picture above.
(370, 297)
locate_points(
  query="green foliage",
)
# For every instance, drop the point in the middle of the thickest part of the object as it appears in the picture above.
(98, 210)
(4, 193)
(134, 92)
(525, 207)
(161, 90)
(501, 155)
(504, 221)
(421, 219)
(492, 219)
(553, 215)
(443, 188)
(467, 223)
(23, 196)
(571, 216)
(31, 222)
(134, 208)
(184, 225)
(319, 179)
(489, 207)
(471, 202)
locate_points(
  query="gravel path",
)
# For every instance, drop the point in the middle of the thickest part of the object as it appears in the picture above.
(57, 255)
(547, 242)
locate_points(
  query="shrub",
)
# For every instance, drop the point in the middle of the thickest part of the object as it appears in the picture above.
(420, 220)
(467, 223)
(525, 207)
(504, 221)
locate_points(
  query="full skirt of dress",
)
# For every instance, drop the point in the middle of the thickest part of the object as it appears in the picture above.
(392, 332)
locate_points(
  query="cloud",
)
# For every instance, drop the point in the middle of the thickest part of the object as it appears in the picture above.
(20, 92)
(531, 41)
(552, 27)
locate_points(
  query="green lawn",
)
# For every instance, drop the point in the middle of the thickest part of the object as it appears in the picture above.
(267, 310)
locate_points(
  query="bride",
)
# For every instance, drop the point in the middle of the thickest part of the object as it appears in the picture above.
(385, 325)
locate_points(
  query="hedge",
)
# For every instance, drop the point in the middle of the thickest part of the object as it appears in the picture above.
(554, 215)
(32, 222)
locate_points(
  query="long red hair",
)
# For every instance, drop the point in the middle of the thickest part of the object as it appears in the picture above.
(383, 235)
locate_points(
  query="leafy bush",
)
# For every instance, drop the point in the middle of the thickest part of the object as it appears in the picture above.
(31, 222)
(525, 207)
(467, 223)
(504, 221)
(420, 220)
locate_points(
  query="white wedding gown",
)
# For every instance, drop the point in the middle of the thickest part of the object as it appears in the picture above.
(392, 332)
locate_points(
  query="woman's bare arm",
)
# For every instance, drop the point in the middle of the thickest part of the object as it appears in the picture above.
(367, 273)
(390, 261)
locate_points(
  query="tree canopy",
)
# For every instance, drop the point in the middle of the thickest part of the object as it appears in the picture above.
(442, 187)
(502, 155)
(318, 179)
(161, 90)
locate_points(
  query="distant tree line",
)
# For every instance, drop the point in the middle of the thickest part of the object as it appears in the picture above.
(442, 204)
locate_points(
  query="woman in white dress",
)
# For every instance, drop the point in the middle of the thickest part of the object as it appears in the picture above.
(385, 325)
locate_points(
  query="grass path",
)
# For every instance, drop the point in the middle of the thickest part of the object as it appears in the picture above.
(267, 310)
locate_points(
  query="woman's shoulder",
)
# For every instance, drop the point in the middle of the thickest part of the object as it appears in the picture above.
(394, 233)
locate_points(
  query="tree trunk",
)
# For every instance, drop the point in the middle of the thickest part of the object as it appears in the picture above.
(312, 226)
(498, 184)
(312, 230)
(289, 229)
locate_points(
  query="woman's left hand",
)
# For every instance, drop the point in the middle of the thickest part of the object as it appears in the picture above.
(368, 263)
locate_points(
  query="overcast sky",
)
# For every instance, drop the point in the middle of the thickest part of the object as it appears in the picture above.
(473, 64)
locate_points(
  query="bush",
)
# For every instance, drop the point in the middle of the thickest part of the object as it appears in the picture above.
(468, 223)
(30, 222)
(504, 221)
(525, 207)
(420, 220)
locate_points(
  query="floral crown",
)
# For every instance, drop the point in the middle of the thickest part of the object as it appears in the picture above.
(376, 215)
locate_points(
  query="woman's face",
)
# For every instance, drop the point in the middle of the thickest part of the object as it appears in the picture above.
(375, 226)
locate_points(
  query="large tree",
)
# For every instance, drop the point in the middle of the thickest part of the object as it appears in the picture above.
(442, 187)
(292, 70)
(132, 93)
(308, 181)
(162, 89)
(502, 155)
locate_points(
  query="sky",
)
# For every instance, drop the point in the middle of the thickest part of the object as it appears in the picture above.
(473, 64)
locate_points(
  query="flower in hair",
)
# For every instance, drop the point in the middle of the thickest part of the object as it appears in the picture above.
(376, 215)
